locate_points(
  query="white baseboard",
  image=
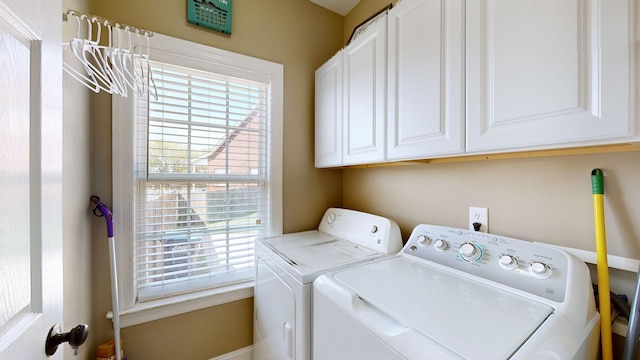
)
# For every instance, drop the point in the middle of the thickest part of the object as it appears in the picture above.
(240, 354)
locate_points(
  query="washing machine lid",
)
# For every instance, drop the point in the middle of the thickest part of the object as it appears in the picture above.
(312, 253)
(471, 319)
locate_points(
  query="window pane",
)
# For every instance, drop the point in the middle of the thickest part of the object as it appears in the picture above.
(203, 146)
(197, 231)
(203, 123)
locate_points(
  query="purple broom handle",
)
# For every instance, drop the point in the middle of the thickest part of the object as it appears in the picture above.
(101, 209)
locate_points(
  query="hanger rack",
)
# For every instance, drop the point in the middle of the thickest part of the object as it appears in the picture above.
(120, 67)
(65, 17)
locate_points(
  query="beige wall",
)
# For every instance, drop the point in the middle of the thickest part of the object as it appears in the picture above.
(195, 335)
(298, 34)
(541, 199)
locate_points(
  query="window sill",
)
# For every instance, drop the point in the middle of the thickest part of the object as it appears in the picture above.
(159, 309)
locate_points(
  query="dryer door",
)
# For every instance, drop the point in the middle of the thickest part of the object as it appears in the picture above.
(274, 306)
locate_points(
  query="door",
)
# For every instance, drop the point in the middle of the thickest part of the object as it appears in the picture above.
(275, 314)
(30, 176)
(364, 93)
(545, 73)
(426, 79)
(328, 113)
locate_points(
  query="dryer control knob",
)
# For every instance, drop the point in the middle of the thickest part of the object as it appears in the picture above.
(470, 252)
(440, 245)
(331, 217)
(540, 270)
(508, 262)
(424, 240)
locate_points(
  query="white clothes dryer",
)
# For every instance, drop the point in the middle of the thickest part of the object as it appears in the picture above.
(457, 294)
(287, 265)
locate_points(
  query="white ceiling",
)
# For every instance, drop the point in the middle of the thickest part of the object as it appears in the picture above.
(341, 7)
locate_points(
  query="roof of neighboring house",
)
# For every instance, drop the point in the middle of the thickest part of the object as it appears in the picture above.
(226, 141)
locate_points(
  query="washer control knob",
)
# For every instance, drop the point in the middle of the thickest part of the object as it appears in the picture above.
(374, 229)
(540, 270)
(331, 217)
(424, 240)
(440, 245)
(508, 262)
(470, 252)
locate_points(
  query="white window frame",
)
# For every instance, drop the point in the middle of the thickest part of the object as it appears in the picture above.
(184, 53)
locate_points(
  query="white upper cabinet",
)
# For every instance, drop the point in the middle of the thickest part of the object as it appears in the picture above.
(426, 79)
(548, 73)
(480, 77)
(364, 96)
(328, 113)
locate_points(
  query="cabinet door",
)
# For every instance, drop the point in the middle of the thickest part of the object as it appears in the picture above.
(365, 72)
(543, 73)
(328, 113)
(425, 75)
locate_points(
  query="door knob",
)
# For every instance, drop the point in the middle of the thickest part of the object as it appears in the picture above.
(75, 338)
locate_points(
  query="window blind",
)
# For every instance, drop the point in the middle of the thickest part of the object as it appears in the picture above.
(201, 180)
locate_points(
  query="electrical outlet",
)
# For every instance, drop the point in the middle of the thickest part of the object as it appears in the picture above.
(481, 216)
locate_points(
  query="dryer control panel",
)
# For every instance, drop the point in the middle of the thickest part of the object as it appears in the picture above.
(532, 267)
(371, 231)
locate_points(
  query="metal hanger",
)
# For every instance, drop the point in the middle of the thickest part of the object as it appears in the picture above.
(113, 68)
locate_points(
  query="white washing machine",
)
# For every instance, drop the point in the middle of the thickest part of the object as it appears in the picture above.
(286, 266)
(456, 294)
